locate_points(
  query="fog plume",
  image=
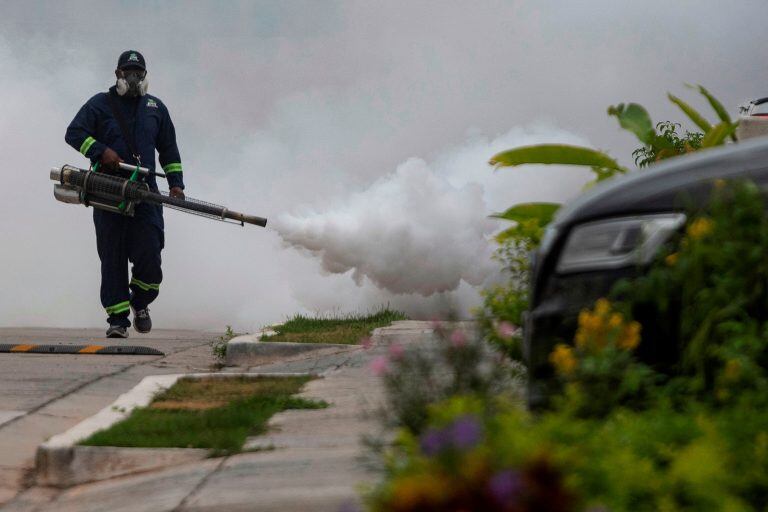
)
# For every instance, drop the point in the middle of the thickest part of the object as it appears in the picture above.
(422, 229)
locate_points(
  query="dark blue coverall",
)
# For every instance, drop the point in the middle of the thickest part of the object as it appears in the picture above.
(120, 239)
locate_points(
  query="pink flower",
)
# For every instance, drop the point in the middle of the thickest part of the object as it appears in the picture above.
(506, 330)
(366, 342)
(396, 351)
(380, 365)
(458, 338)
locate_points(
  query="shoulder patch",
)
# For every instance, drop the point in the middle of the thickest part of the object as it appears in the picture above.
(151, 103)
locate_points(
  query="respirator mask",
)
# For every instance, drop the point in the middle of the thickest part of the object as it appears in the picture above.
(132, 82)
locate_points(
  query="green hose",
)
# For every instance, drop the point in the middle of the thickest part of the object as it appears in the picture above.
(134, 175)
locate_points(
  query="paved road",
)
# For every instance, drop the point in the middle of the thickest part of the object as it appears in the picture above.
(316, 465)
(45, 394)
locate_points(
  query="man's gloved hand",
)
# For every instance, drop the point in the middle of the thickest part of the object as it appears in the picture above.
(177, 192)
(110, 159)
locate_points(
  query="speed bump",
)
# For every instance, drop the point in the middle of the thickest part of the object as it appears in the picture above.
(127, 350)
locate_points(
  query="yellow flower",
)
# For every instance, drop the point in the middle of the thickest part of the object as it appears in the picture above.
(720, 184)
(732, 370)
(630, 336)
(589, 321)
(602, 307)
(699, 228)
(581, 339)
(563, 359)
(593, 326)
(616, 320)
(671, 259)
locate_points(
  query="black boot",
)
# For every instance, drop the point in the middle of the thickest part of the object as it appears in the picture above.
(117, 331)
(141, 320)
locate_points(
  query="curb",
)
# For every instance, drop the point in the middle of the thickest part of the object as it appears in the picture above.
(61, 462)
(248, 349)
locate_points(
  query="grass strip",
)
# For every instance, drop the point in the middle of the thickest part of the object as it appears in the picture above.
(217, 414)
(347, 329)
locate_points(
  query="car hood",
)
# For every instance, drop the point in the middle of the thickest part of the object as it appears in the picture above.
(672, 185)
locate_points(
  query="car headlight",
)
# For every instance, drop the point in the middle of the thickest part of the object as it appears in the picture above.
(618, 242)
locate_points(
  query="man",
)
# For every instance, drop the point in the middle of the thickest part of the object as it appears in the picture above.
(126, 124)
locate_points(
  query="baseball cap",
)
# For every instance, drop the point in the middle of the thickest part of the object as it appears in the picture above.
(131, 58)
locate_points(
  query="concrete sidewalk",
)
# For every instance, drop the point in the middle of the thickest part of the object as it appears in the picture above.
(316, 460)
(45, 394)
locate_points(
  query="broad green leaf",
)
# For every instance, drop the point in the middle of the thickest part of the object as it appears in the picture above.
(635, 118)
(603, 173)
(718, 134)
(541, 212)
(716, 106)
(555, 154)
(697, 118)
(714, 102)
(527, 230)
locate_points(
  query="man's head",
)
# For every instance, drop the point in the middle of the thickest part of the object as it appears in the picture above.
(131, 74)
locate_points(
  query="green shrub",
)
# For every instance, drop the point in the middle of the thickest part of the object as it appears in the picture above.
(661, 459)
(715, 278)
(503, 305)
(623, 436)
(219, 345)
(418, 377)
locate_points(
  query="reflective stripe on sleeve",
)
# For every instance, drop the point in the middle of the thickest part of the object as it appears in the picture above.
(87, 143)
(175, 167)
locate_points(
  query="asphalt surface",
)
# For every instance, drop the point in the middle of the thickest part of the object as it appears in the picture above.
(309, 460)
(45, 394)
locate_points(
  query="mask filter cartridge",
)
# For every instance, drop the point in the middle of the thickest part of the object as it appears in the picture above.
(133, 83)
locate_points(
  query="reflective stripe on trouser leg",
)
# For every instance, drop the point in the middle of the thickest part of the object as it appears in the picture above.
(116, 309)
(145, 286)
(110, 241)
(145, 243)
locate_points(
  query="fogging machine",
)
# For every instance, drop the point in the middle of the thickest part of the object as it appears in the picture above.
(120, 194)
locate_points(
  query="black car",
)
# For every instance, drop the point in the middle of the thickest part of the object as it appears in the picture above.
(614, 231)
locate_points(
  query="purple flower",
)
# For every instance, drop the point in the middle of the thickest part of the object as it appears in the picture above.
(432, 442)
(462, 434)
(396, 351)
(506, 330)
(466, 432)
(505, 486)
(380, 366)
(458, 338)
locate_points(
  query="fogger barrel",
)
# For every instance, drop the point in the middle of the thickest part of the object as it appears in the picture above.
(120, 195)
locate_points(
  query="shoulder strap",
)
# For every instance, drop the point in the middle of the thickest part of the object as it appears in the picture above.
(118, 114)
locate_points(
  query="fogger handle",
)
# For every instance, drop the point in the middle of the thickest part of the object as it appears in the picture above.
(142, 170)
